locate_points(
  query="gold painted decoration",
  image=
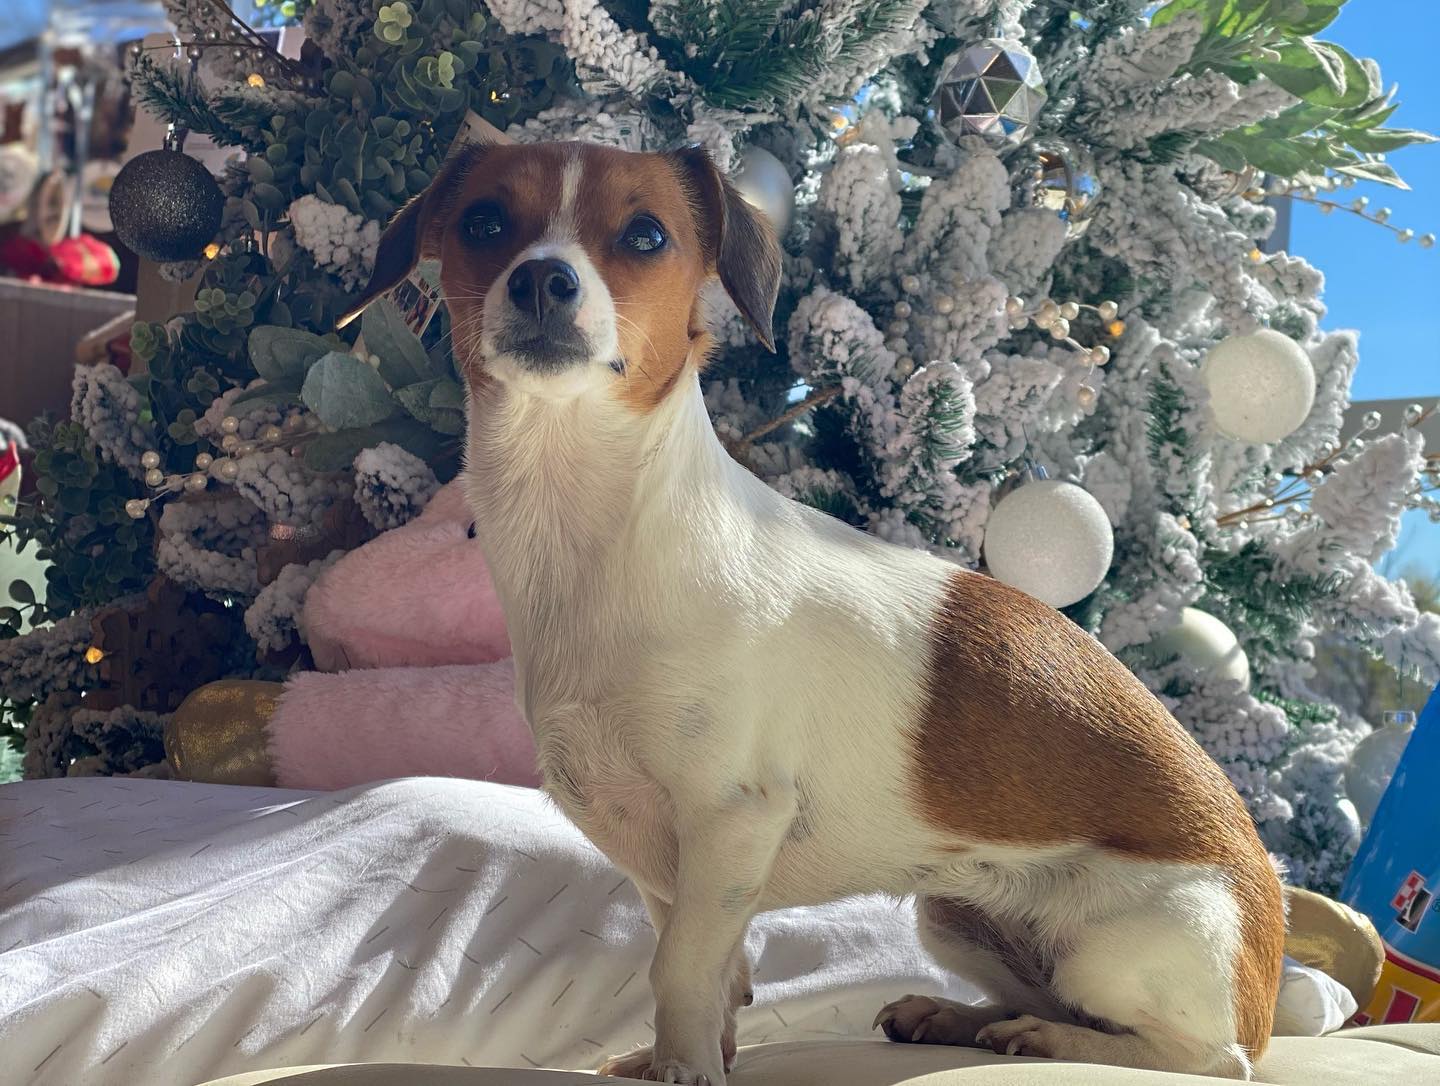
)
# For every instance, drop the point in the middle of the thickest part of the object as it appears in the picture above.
(1335, 939)
(219, 733)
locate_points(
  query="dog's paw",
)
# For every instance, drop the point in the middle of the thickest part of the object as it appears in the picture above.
(641, 1065)
(1023, 1036)
(924, 1020)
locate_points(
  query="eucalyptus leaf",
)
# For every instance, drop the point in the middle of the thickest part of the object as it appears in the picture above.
(266, 396)
(1307, 16)
(448, 395)
(1319, 72)
(1373, 114)
(1381, 140)
(416, 399)
(284, 354)
(267, 196)
(448, 421)
(1374, 171)
(345, 392)
(348, 196)
(337, 451)
(402, 357)
(1222, 154)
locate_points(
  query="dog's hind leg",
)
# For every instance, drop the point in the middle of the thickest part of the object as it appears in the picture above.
(1180, 978)
(999, 958)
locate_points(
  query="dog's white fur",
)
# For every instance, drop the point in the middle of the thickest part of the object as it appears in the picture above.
(723, 686)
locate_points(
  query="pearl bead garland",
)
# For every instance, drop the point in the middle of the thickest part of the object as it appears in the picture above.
(1055, 319)
(224, 468)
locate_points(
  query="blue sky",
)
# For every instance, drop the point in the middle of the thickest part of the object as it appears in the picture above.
(1388, 291)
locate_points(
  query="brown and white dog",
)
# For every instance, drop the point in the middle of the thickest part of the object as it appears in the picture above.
(750, 705)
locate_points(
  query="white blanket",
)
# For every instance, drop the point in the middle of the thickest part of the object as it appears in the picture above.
(157, 932)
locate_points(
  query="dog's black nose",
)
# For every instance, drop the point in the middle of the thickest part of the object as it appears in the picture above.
(543, 286)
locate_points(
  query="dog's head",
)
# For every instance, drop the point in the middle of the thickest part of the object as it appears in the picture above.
(574, 269)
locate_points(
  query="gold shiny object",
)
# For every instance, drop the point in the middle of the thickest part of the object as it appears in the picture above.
(94, 654)
(255, 79)
(212, 251)
(1336, 940)
(219, 734)
(1063, 180)
(1256, 256)
(1115, 329)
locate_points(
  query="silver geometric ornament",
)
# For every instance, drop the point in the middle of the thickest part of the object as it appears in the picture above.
(993, 89)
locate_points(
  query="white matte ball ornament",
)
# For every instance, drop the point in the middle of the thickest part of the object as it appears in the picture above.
(1373, 761)
(765, 183)
(1206, 644)
(1051, 539)
(1262, 386)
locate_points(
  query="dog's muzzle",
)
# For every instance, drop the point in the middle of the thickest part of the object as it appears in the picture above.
(545, 295)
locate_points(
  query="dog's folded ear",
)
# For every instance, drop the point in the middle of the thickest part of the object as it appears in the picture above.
(411, 236)
(740, 243)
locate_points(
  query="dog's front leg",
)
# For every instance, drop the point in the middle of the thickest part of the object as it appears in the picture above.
(726, 853)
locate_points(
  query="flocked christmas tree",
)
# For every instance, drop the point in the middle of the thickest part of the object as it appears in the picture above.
(1016, 233)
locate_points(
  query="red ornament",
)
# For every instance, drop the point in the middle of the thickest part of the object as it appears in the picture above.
(9, 460)
(86, 261)
(25, 257)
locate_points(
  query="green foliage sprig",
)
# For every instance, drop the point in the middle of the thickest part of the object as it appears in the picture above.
(384, 117)
(1338, 123)
(409, 396)
(769, 54)
(96, 551)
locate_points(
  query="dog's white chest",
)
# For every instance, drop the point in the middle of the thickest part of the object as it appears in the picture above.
(588, 770)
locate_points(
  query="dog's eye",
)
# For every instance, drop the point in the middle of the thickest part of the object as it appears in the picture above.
(484, 222)
(644, 235)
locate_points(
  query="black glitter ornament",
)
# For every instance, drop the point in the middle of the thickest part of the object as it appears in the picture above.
(165, 205)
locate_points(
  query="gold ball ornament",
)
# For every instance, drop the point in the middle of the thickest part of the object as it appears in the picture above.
(220, 733)
(1064, 181)
(1336, 940)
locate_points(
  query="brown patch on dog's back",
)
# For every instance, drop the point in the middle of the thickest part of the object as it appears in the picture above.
(1098, 760)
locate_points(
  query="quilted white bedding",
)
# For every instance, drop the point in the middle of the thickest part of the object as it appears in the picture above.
(159, 932)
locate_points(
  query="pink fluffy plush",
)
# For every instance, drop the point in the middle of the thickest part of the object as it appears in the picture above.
(336, 731)
(423, 685)
(418, 595)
